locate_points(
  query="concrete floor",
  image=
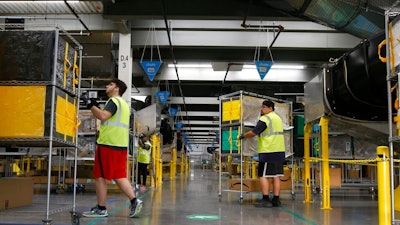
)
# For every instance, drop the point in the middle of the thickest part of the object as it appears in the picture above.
(193, 198)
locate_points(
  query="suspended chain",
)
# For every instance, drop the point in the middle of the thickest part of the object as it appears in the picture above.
(351, 161)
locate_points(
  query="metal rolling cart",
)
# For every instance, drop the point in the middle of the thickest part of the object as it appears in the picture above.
(46, 85)
(392, 30)
(240, 113)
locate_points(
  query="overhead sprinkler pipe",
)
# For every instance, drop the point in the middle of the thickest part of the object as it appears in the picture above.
(77, 16)
(226, 74)
(278, 28)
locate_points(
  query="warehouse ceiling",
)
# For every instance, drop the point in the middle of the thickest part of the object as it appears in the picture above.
(224, 37)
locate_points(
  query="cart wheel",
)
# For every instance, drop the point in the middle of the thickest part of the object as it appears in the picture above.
(75, 218)
(220, 197)
(293, 196)
(47, 221)
(241, 200)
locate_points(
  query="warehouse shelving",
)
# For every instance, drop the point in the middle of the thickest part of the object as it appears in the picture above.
(54, 76)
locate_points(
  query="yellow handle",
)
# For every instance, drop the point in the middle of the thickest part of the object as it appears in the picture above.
(383, 59)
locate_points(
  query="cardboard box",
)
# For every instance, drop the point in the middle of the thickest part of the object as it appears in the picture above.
(352, 174)
(335, 175)
(2, 165)
(248, 184)
(286, 180)
(44, 180)
(11, 196)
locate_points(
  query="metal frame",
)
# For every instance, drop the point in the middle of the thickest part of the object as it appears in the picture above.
(390, 13)
(50, 141)
(240, 94)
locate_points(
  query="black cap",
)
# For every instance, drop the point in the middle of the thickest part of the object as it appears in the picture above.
(269, 103)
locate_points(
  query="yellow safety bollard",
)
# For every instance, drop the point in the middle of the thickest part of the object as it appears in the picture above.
(182, 163)
(172, 166)
(254, 169)
(307, 175)
(325, 183)
(246, 168)
(383, 170)
(39, 164)
(28, 164)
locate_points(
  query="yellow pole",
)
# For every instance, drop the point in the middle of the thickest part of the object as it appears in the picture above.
(246, 167)
(326, 191)
(39, 164)
(172, 166)
(28, 164)
(183, 161)
(384, 200)
(253, 169)
(307, 175)
(159, 172)
(187, 163)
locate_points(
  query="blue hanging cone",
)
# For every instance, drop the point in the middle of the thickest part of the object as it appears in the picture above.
(263, 67)
(184, 136)
(172, 112)
(151, 68)
(178, 125)
(162, 96)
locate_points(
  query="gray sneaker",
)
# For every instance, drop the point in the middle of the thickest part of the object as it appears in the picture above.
(136, 207)
(95, 212)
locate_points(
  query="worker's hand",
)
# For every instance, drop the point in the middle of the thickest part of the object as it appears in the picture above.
(92, 102)
(141, 142)
(241, 136)
(85, 98)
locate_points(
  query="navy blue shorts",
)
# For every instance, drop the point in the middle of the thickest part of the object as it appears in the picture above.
(270, 169)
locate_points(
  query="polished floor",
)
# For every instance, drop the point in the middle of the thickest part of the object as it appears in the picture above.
(193, 198)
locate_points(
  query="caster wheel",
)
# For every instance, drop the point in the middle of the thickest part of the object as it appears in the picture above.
(293, 196)
(75, 218)
(241, 200)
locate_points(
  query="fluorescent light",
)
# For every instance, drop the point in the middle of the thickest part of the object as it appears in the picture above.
(41, 2)
(139, 97)
(192, 65)
(278, 66)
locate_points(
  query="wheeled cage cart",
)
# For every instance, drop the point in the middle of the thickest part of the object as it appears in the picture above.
(39, 82)
(240, 112)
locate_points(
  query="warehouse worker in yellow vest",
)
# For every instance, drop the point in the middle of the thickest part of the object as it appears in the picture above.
(271, 152)
(144, 156)
(110, 161)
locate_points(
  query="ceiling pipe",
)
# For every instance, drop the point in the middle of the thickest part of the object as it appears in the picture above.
(279, 28)
(173, 57)
(77, 16)
(226, 74)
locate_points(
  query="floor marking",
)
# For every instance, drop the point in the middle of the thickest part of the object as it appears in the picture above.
(298, 216)
(203, 217)
(114, 211)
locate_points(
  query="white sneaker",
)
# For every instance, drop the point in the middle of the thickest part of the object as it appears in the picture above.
(136, 207)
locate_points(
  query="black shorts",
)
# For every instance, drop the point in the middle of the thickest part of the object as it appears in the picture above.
(270, 169)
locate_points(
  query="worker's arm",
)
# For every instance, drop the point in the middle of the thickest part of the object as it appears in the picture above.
(258, 129)
(100, 114)
(248, 134)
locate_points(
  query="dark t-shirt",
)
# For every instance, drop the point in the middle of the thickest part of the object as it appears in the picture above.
(267, 157)
(111, 107)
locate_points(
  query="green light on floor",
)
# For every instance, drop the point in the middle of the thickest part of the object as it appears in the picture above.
(203, 217)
